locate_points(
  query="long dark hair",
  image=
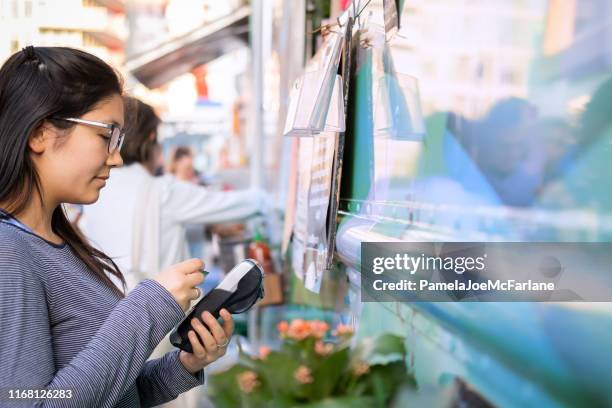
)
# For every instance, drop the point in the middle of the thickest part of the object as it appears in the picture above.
(36, 84)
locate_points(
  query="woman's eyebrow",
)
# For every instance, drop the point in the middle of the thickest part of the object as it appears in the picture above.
(114, 122)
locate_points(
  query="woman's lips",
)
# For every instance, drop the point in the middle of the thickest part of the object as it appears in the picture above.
(102, 180)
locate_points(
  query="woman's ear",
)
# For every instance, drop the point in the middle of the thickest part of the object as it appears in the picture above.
(39, 138)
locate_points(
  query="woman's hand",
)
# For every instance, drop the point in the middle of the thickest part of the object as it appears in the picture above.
(181, 281)
(215, 339)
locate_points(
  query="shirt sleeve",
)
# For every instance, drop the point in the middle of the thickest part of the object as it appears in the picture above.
(189, 203)
(100, 374)
(165, 378)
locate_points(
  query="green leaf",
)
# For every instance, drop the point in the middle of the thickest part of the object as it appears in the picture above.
(381, 393)
(383, 349)
(383, 381)
(328, 373)
(277, 370)
(389, 344)
(294, 348)
(223, 388)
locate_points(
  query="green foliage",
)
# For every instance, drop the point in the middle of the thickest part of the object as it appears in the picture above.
(307, 373)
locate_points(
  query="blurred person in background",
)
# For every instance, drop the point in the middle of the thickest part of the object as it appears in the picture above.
(180, 164)
(64, 323)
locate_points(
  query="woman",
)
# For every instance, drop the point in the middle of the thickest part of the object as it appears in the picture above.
(181, 165)
(151, 214)
(64, 325)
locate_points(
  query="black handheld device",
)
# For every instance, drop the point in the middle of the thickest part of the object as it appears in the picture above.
(241, 288)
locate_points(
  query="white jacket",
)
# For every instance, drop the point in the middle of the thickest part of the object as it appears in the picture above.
(139, 220)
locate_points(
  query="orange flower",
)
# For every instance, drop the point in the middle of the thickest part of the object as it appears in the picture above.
(343, 330)
(323, 349)
(361, 368)
(264, 352)
(319, 328)
(247, 381)
(303, 375)
(282, 328)
(299, 329)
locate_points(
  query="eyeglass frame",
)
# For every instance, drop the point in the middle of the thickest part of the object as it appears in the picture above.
(112, 127)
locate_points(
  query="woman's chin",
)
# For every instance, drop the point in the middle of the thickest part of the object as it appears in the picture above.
(89, 198)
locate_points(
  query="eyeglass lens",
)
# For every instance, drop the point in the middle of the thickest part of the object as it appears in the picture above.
(116, 140)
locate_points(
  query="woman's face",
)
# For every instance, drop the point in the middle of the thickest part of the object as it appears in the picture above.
(73, 165)
(184, 168)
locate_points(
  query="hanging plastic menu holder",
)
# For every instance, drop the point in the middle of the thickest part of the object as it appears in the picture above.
(334, 120)
(316, 98)
(392, 18)
(303, 119)
(397, 104)
(398, 111)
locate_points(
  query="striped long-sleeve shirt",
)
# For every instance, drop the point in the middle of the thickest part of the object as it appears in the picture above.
(61, 328)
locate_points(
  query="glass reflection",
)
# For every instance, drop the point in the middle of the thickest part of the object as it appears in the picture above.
(517, 118)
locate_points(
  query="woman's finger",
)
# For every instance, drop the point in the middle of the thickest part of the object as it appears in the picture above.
(215, 328)
(190, 266)
(194, 279)
(196, 347)
(209, 342)
(228, 323)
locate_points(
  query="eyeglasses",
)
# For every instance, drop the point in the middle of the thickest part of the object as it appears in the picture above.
(115, 138)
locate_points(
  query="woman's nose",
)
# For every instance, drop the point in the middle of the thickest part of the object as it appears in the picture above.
(114, 159)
